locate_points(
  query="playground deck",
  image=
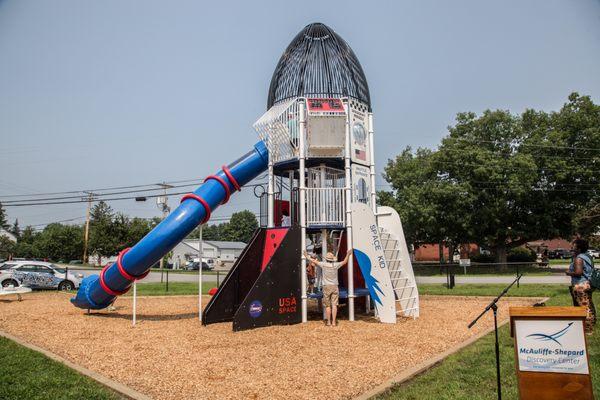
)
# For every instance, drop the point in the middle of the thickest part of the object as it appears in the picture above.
(169, 356)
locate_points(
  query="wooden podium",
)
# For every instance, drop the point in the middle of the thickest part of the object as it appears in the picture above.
(551, 354)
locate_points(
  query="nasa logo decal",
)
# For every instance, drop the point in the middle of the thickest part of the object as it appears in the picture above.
(255, 309)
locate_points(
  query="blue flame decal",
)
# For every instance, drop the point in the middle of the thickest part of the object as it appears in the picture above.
(553, 337)
(364, 262)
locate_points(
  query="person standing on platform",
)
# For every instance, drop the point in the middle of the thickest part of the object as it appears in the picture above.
(286, 221)
(581, 289)
(331, 291)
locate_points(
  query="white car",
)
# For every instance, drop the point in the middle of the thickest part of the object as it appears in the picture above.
(594, 253)
(37, 275)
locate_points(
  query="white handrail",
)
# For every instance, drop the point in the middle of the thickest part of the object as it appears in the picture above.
(325, 206)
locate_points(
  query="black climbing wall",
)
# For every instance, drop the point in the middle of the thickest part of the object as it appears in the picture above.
(275, 296)
(238, 282)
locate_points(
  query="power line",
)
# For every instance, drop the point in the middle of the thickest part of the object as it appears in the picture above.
(99, 194)
(84, 200)
(101, 189)
(41, 227)
(530, 145)
(504, 168)
(555, 156)
(58, 222)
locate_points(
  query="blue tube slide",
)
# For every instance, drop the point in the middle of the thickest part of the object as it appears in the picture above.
(99, 291)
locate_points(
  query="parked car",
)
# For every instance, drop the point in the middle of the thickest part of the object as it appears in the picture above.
(563, 254)
(193, 266)
(38, 275)
(594, 253)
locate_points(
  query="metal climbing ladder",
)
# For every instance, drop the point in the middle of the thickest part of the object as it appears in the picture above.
(403, 280)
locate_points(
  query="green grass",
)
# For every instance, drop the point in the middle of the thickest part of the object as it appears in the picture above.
(188, 272)
(560, 262)
(431, 269)
(175, 288)
(524, 290)
(508, 273)
(470, 374)
(27, 374)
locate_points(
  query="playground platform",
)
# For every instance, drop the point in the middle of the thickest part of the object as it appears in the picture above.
(170, 356)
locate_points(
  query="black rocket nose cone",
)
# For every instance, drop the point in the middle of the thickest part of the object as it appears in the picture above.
(319, 63)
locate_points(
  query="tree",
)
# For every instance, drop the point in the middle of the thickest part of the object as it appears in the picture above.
(587, 221)
(502, 180)
(25, 246)
(103, 242)
(241, 226)
(7, 247)
(211, 232)
(482, 155)
(127, 232)
(15, 229)
(137, 229)
(112, 232)
(432, 209)
(3, 218)
(566, 147)
(58, 242)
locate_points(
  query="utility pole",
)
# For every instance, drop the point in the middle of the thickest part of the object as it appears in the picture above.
(162, 203)
(86, 235)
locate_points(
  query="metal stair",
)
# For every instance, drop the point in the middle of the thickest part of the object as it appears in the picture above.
(403, 280)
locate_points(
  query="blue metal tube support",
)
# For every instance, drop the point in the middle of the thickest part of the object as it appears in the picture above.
(172, 230)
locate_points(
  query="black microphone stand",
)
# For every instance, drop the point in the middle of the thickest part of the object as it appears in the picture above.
(492, 306)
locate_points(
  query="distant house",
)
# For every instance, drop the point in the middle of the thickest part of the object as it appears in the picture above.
(554, 244)
(226, 252)
(8, 235)
(431, 252)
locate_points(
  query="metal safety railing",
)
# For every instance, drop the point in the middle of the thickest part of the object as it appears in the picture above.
(325, 206)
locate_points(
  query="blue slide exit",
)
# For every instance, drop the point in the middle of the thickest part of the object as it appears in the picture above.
(99, 291)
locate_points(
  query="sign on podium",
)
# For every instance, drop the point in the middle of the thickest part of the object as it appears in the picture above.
(551, 353)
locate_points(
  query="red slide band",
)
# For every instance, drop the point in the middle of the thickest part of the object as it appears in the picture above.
(231, 178)
(122, 270)
(223, 183)
(201, 201)
(107, 289)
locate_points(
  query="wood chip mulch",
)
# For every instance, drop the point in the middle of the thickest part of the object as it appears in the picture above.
(168, 355)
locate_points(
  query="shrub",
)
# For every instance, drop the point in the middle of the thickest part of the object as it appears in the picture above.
(482, 258)
(521, 254)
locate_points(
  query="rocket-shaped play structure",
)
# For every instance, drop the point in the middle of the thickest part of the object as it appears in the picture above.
(317, 146)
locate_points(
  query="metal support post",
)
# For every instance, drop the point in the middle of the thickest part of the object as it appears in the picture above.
(372, 166)
(134, 303)
(323, 197)
(348, 191)
(200, 254)
(271, 193)
(291, 183)
(302, 208)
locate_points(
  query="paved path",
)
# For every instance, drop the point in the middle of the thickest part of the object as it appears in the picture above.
(490, 279)
(487, 279)
(155, 276)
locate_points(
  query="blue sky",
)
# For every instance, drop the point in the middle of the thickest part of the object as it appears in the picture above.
(111, 93)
